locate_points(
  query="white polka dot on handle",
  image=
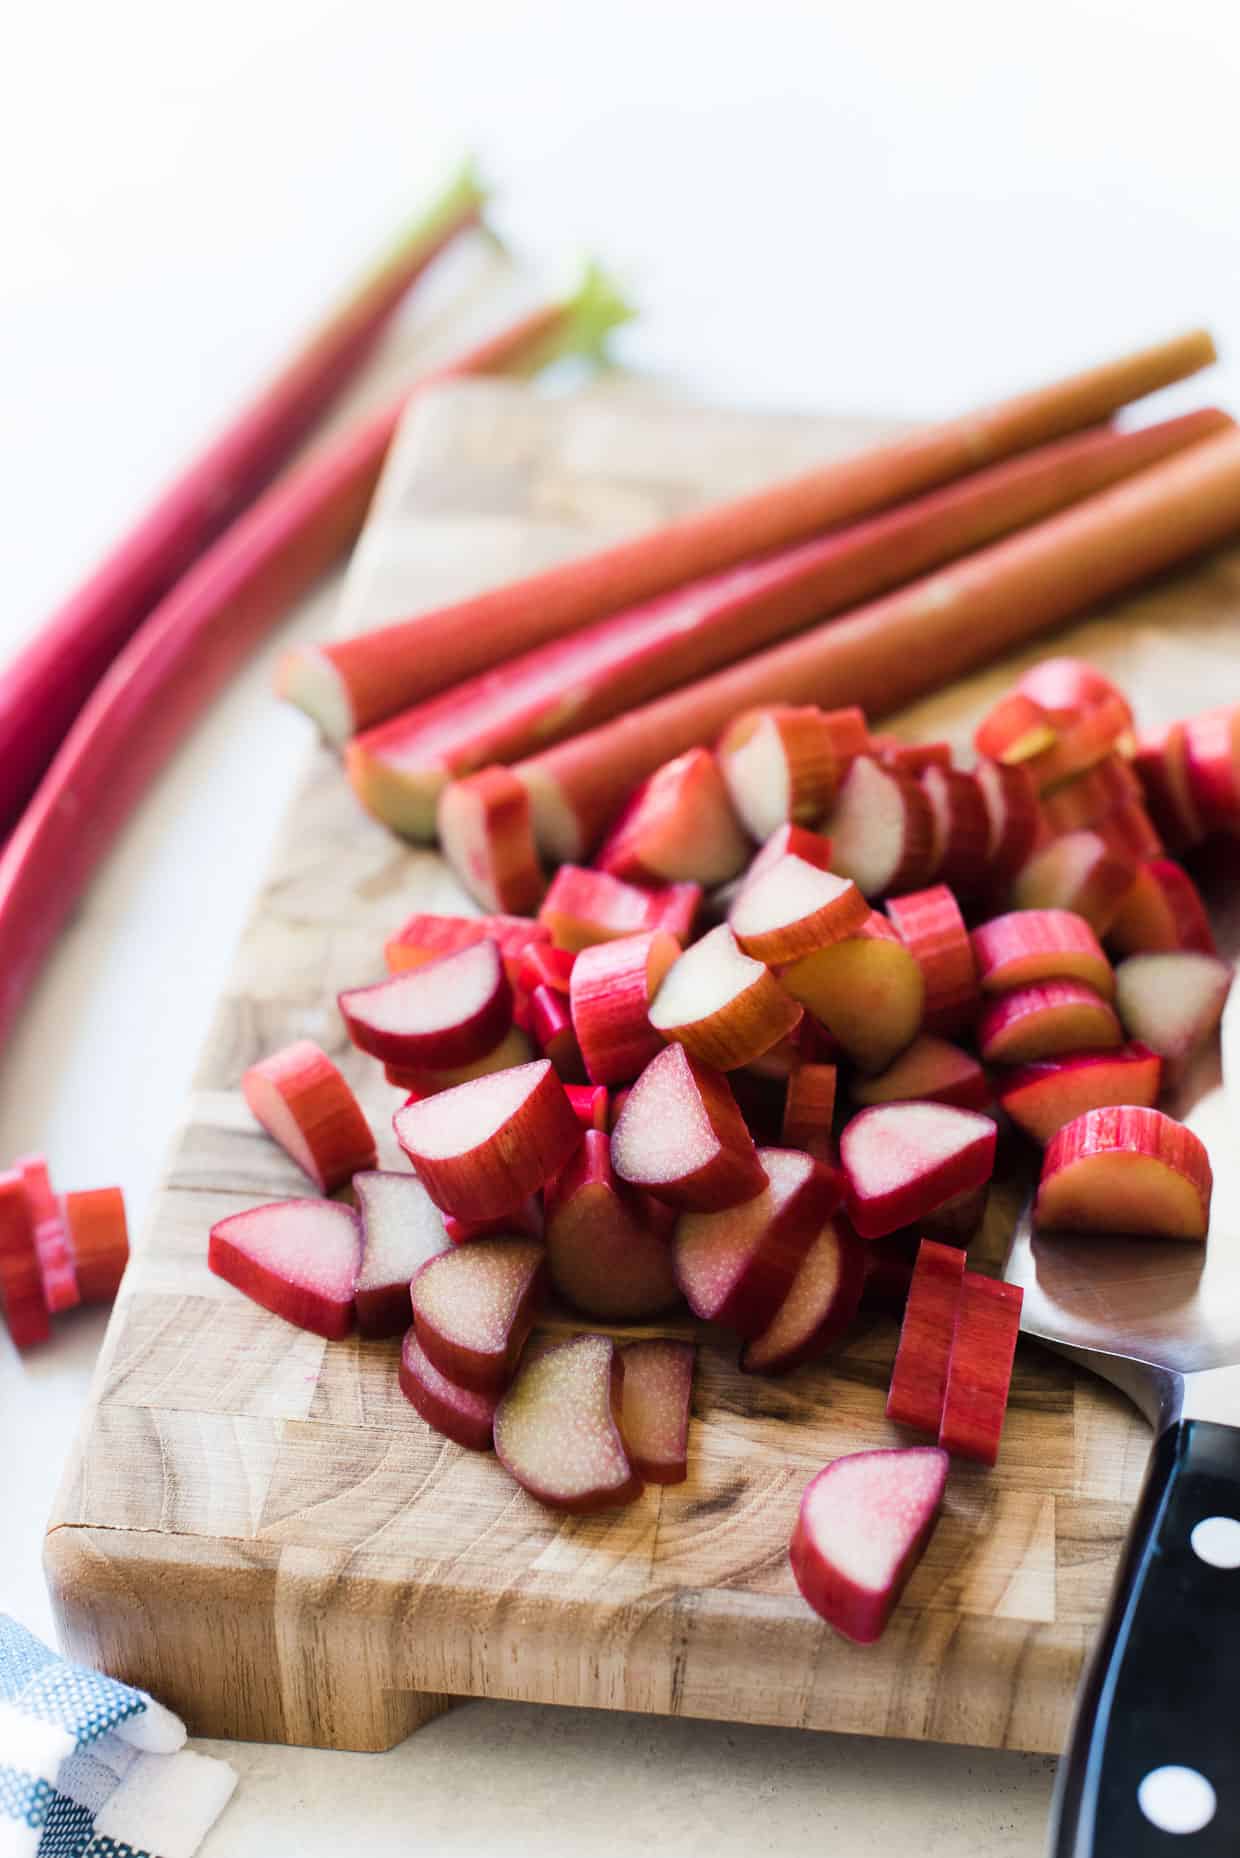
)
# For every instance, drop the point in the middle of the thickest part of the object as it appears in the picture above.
(1216, 1539)
(1177, 1799)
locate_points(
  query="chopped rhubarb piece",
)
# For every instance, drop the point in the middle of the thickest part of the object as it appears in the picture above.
(486, 834)
(1083, 737)
(557, 1429)
(919, 1375)
(306, 1106)
(960, 827)
(474, 1306)
(654, 1409)
(786, 841)
(460, 1413)
(552, 1026)
(483, 1147)
(591, 1105)
(912, 757)
(51, 1237)
(928, 1071)
(674, 907)
(863, 1524)
(297, 1258)
(426, 938)
(1070, 683)
(736, 1266)
(881, 829)
(809, 1108)
(980, 1371)
(930, 925)
(98, 1240)
(1161, 763)
(1162, 912)
(1018, 726)
(1172, 1003)
(1079, 872)
(1212, 753)
(541, 965)
(721, 1005)
(904, 1160)
(401, 1228)
(523, 1222)
(1046, 1020)
(1103, 789)
(583, 907)
(1040, 1098)
(1128, 831)
(445, 1013)
(1126, 1169)
(608, 1248)
(1010, 797)
(1039, 945)
(682, 1138)
(866, 991)
(21, 1285)
(678, 826)
(818, 1307)
(793, 908)
(513, 1049)
(781, 767)
(612, 987)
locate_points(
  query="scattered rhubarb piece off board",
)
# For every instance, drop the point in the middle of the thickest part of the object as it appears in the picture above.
(258, 1527)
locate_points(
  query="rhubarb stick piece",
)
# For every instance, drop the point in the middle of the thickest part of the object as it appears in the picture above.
(21, 1286)
(930, 925)
(881, 829)
(1079, 872)
(1161, 763)
(818, 1307)
(1162, 912)
(678, 827)
(1126, 1169)
(400, 664)
(980, 1371)
(1172, 1003)
(591, 1105)
(1039, 945)
(474, 1306)
(557, 1429)
(401, 1228)
(98, 1241)
(612, 987)
(920, 638)
(426, 938)
(44, 688)
(297, 1258)
(930, 1070)
(582, 907)
(809, 1108)
(434, 1017)
(863, 1524)
(57, 1273)
(905, 1160)
(781, 766)
(459, 1413)
(919, 1374)
(723, 1006)
(793, 908)
(483, 1147)
(486, 835)
(1040, 1098)
(654, 1409)
(866, 990)
(306, 1106)
(1046, 1020)
(681, 1137)
(513, 1049)
(1212, 754)
(960, 823)
(608, 1248)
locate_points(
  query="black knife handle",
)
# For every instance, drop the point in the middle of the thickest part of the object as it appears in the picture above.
(1163, 1691)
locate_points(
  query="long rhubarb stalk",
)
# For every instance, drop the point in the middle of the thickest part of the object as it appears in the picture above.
(215, 615)
(399, 768)
(909, 642)
(46, 685)
(351, 684)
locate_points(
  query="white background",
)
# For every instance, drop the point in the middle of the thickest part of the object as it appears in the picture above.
(894, 206)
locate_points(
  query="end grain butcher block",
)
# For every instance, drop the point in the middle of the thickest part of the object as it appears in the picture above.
(257, 1526)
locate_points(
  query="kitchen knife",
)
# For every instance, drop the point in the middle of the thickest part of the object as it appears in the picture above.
(1153, 1759)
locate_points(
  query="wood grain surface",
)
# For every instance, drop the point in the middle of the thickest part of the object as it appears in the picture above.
(257, 1526)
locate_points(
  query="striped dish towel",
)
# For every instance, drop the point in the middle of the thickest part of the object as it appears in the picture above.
(92, 1769)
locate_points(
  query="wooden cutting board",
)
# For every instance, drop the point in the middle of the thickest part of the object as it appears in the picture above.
(256, 1526)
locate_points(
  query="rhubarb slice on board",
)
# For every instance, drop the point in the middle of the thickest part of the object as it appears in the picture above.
(484, 1147)
(904, 1160)
(458, 1412)
(862, 1526)
(979, 1374)
(557, 1429)
(474, 1306)
(919, 1374)
(655, 1408)
(297, 1258)
(306, 1106)
(819, 1306)
(401, 1228)
(681, 1136)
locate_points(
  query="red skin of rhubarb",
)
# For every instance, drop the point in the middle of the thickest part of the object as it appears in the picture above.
(930, 925)
(486, 835)
(679, 826)
(306, 1106)
(1017, 727)
(552, 1027)
(608, 1248)
(896, 1516)
(1082, 739)
(591, 1105)
(21, 1287)
(523, 1222)
(45, 687)
(1129, 831)
(1160, 761)
(809, 1108)
(480, 1349)
(401, 1229)
(788, 840)
(98, 1240)
(919, 1374)
(905, 1160)
(1046, 1020)
(543, 966)
(1069, 683)
(1107, 787)
(1039, 945)
(674, 907)
(481, 1151)
(1212, 753)
(183, 653)
(737, 1266)
(913, 757)
(781, 766)
(820, 1305)
(427, 938)
(961, 828)
(930, 1070)
(613, 986)
(920, 638)
(295, 1280)
(57, 1273)
(1163, 911)
(582, 907)
(1114, 1169)
(461, 1415)
(980, 1372)
(655, 1408)
(1040, 1098)
(1079, 872)
(1013, 817)
(718, 1167)
(395, 1020)
(404, 663)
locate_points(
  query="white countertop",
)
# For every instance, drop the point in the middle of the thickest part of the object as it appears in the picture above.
(894, 208)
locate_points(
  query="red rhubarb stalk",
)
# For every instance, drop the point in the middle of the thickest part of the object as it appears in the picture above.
(192, 642)
(355, 682)
(44, 688)
(915, 640)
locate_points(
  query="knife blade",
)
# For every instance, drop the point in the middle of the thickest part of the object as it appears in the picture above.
(1154, 1751)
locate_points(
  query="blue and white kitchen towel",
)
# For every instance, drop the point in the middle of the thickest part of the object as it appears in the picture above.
(92, 1769)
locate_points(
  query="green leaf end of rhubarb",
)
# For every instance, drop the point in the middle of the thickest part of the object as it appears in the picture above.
(459, 204)
(596, 307)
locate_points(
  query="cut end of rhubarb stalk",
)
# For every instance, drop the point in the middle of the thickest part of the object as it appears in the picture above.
(607, 1247)
(819, 1307)
(297, 1258)
(678, 827)
(867, 991)
(793, 908)
(612, 986)
(445, 1013)
(98, 1240)
(881, 829)
(474, 1306)
(484, 1147)
(557, 1429)
(401, 1228)
(862, 1526)
(1041, 1098)
(929, 1071)
(21, 1289)
(305, 1105)
(721, 1005)
(904, 1160)
(307, 677)
(1126, 1170)
(461, 1415)
(1046, 1020)
(486, 834)
(654, 1409)
(681, 1136)
(1172, 1002)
